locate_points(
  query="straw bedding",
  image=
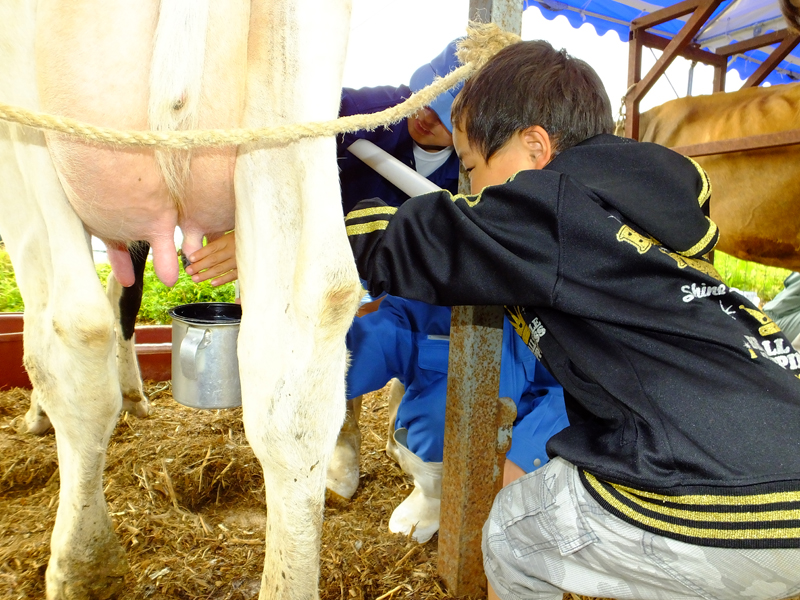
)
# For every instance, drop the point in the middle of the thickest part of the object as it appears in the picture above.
(186, 496)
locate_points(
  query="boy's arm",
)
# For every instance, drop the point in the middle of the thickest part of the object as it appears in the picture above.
(500, 247)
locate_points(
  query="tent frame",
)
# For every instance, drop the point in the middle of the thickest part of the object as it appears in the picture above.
(681, 45)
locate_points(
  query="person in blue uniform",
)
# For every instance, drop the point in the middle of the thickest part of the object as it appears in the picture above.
(423, 141)
(409, 340)
(679, 473)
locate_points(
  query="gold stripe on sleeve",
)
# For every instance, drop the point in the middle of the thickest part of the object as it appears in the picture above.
(705, 193)
(704, 241)
(713, 499)
(712, 517)
(367, 212)
(367, 227)
(688, 531)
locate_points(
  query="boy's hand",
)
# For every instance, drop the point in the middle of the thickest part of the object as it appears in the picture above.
(216, 259)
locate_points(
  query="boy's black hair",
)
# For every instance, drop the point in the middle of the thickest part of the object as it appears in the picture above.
(531, 83)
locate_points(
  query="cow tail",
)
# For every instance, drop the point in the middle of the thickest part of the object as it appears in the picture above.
(176, 75)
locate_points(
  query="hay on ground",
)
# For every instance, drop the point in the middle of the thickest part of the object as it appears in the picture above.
(186, 497)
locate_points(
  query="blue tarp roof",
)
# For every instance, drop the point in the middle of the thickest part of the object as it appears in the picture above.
(733, 21)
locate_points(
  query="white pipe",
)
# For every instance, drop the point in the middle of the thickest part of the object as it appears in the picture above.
(403, 176)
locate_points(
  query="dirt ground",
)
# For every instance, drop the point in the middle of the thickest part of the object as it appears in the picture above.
(186, 496)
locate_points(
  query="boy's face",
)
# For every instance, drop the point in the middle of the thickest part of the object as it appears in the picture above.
(427, 130)
(525, 150)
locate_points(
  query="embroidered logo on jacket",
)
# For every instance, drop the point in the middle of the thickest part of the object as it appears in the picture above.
(702, 291)
(530, 333)
(644, 243)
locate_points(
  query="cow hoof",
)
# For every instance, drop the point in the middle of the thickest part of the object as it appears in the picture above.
(34, 422)
(343, 470)
(72, 580)
(136, 404)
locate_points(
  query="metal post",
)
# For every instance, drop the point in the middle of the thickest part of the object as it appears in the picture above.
(506, 13)
(476, 437)
(478, 422)
(691, 78)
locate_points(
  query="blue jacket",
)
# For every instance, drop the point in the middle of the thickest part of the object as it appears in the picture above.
(359, 181)
(410, 340)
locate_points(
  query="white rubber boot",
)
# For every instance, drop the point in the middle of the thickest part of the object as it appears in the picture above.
(343, 470)
(420, 510)
(396, 391)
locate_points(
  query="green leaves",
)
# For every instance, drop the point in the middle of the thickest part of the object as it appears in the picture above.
(750, 276)
(156, 300)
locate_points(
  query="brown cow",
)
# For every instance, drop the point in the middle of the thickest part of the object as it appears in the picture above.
(756, 194)
(791, 11)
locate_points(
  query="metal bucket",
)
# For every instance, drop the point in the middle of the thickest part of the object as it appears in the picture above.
(205, 369)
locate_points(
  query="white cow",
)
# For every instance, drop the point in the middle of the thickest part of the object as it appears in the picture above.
(180, 64)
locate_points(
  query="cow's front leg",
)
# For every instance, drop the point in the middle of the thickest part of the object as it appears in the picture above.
(300, 292)
(293, 397)
(299, 286)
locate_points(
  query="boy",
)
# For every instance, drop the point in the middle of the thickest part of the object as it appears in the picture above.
(679, 474)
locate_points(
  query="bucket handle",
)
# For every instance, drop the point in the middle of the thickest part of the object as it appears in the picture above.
(195, 339)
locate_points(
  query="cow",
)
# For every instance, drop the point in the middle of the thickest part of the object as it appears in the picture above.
(756, 193)
(791, 12)
(171, 65)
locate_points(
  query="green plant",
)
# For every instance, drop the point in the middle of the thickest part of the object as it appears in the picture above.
(10, 298)
(157, 298)
(750, 276)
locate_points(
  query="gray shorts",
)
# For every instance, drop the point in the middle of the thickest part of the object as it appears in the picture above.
(546, 535)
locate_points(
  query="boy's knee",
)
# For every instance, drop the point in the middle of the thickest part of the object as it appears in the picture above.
(503, 569)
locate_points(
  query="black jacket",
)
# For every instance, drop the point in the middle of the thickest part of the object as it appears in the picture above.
(683, 398)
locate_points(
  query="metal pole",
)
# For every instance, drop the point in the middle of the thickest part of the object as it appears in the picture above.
(478, 422)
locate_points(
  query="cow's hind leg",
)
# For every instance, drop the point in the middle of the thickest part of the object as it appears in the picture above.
(69, 330)
(300, 290)
(126, 302)
(69, 355)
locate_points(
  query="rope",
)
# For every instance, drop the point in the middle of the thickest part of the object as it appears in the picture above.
(619, 128)
(481, 43)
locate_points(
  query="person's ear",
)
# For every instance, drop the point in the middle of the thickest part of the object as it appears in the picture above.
(537, 142)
